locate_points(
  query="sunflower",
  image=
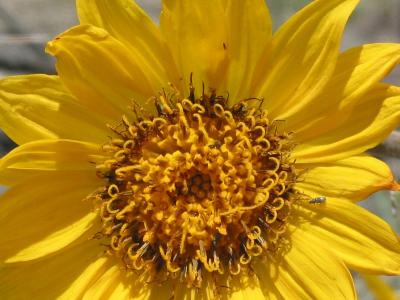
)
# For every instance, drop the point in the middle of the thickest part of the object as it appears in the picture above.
(204, 158)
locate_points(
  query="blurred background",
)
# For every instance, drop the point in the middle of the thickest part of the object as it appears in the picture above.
(26, 26)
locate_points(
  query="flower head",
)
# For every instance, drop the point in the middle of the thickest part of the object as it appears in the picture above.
(204, 158)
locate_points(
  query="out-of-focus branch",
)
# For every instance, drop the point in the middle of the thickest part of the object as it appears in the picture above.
(23, 39)
(390, 147)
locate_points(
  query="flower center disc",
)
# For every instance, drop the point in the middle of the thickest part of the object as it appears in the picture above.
(202, 187)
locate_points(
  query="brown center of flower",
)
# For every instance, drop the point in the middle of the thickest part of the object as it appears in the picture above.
(201, 187)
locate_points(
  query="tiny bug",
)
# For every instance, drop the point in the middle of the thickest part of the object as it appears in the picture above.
(318, 200)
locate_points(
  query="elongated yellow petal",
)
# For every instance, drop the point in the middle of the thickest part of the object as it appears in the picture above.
(123, 291)
(51, 157)
(308, 271)
(51, 277)
(128, 23)
(249, 33)
(268, 273)
(105, 285)
(34, 107)
(196, 33)
(380, 289)
(353, 233)
(247, 287)
(117, 284)
(353, 178)
(43, 216)
(87, 277)
(358, 71)
(377, 114)
(243, 287)
(182, 292)
(100, 70)
(302, 56)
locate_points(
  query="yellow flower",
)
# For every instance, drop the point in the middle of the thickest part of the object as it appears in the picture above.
(205, 158)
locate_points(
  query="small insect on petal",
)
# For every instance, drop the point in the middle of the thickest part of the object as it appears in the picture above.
(318, 200)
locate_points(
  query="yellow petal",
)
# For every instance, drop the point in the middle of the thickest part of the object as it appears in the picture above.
(267, 272)
(302, 56)
(357, 72)
(34, 107)
(372, 119)
(45, 215)
(250, 32)
(128, 23)
(268, 281)
(196, 33)
(380, 289)
(51, 277)
(87, 277)
(105, 285)
(117, 284)
(51, 157)
(353, 234)
(352, 178)
(122, 291)
(246, 287)
(305, 270)
(242, 287)
(316, 272)
(100, 70)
